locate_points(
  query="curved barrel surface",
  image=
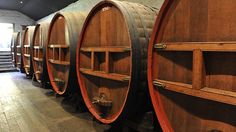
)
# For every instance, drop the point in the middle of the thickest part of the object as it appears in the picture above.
(111, 59)
(27, 49)
(38, 55)
(191, 69)
(63, 35)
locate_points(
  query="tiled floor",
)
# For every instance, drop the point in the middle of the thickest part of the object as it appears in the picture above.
(26, 108)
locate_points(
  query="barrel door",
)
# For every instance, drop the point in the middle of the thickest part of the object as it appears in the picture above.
(18, 50)
(26, 50)
(19, 47)
(60, 53)
(191, 66)
(39, 42)
(15, 37)
(111, 58)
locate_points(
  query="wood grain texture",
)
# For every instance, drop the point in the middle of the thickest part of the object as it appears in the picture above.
(63, 34)
(38, 54)
(112, 54)
(192, 55)
(27, 50)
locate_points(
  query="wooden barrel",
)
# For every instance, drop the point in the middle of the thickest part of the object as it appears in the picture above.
(191, 66)
(19, 47)
(27, 49)
(39, 52)
(62, 40)
(111, 59)
(15, 39)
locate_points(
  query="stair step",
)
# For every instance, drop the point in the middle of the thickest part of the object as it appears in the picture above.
(6, 60)
(6, 63)
(5, 57)
(12, 69)
(5, 54)
(6, 66)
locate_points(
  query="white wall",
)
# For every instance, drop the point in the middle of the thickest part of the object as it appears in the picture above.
(15, 17)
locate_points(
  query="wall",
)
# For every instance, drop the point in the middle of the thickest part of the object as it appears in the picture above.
(15, 17)
(86, 6)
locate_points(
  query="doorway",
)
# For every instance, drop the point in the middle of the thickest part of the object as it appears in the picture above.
(6, 30)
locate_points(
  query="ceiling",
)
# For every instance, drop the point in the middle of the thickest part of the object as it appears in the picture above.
(35, 9)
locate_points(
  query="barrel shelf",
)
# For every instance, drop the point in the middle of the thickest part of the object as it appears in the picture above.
(26, 46)
(38, 47)
(213, 94)
(38, 59)
(27, 55)
(203, 46)
(205, 56)
(110, 76)
(58, 46)
(37, 72)
(58, 62)
(26, 66)
(105, 49)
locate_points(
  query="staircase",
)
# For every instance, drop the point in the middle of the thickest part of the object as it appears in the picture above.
(6, 63)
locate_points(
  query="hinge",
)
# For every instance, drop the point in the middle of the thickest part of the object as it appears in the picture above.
(159, 84)
(160, 46)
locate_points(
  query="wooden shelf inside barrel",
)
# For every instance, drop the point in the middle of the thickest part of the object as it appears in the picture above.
(26, 46)
(27, 55)
(203, 46)
(105, 49)
(58, 62)
(26, 66)
(38, 47)
(210, 65)
(38, 59)
(58, 46)
(110, 76)
(213, 94)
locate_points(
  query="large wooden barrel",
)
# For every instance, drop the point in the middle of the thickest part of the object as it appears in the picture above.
(63, 33)
(191, 66)
(39, 52)
(19, 58)
(27, 49)
(112, 57)
(15, 39)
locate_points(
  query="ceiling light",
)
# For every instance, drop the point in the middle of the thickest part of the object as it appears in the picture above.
(21, 2)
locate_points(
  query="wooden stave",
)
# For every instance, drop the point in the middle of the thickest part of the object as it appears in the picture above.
(156, 94)
(125, 112)
(30, 30)
(74, 22)
(43, 77)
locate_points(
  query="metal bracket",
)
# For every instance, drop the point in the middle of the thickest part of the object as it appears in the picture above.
(159, 84)
(160, 46)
